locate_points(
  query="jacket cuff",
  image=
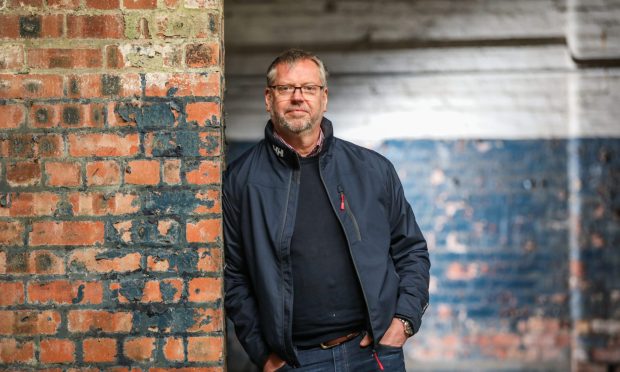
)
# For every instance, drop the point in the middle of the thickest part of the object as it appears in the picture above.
(415, 320)
(261, 360)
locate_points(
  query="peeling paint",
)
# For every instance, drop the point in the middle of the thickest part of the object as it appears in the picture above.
(203, 320)
(183, 319)
(189, 142)
(80, 295)
(76, 266)
(177, 202)
(168, 291)
(163, 227)
(179, 261)
(162, 318)
(63, 208)
(143, 232)
(150, 116)
(184, 143)
(210, 144)
(164, 145)
(132, 290)
(110, 254)
(150, 56)
(122, 231)
(172, 91)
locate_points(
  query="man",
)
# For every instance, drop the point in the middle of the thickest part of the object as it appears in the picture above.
(325, 263)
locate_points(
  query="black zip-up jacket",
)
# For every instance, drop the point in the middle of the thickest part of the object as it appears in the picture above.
(260, 195)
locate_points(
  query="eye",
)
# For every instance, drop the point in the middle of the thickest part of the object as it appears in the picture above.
(310, 89)
(285, 89)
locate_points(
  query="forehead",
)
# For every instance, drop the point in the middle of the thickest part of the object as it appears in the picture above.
(304, 71)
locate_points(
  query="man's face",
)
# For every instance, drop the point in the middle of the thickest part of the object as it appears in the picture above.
(296, 113)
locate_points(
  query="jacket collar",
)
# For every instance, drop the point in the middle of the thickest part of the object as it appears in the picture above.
(288, 155)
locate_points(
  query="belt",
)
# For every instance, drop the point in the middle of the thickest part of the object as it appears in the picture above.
(337, 341)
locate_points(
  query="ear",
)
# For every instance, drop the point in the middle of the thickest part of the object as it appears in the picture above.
(325, 99)
(268, 99)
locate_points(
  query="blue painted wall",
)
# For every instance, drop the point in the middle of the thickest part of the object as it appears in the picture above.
(495, 213)
(595, 253)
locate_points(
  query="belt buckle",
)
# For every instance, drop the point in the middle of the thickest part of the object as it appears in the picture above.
(327, 347)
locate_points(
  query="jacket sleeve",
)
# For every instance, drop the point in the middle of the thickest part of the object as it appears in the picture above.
(410, 254)
(239, 300)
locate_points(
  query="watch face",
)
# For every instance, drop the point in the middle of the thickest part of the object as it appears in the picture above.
(408, 329)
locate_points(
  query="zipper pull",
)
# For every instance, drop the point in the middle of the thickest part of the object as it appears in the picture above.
(341, 191)
(374, 353)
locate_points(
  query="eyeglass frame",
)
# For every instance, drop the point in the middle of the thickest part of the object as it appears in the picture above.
(295, 87)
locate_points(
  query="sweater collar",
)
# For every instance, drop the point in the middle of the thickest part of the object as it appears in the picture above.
(285, 152)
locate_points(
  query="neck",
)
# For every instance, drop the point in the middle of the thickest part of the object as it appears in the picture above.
(302, 143)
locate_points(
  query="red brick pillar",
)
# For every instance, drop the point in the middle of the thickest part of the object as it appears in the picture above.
(110, 213)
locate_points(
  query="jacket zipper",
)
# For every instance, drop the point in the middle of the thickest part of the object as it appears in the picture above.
(342, 200)
(288, 196)
(287, 327)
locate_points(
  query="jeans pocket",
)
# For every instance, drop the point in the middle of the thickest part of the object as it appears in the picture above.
(389, 348)
(391, 358)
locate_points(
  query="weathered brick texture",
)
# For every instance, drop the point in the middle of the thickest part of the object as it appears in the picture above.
(110, 211)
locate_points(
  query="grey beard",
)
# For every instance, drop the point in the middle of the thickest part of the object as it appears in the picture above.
(293, 129)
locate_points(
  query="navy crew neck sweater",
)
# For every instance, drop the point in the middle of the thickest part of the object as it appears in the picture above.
(327, 297)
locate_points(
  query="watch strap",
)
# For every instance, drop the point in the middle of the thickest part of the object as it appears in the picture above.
(407, 324)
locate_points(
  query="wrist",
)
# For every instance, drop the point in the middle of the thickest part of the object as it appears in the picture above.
(273, 362)
(407, 328)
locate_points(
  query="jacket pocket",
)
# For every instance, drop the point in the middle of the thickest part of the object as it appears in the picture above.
(344, 206)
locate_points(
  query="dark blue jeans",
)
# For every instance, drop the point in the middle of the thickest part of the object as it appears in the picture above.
(350, 357)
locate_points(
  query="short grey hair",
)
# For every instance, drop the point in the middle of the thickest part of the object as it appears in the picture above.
(293, 56)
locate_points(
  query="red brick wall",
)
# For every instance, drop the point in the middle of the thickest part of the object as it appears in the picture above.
(110, 217)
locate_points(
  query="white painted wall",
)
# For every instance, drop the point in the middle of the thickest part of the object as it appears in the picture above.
(461, 76)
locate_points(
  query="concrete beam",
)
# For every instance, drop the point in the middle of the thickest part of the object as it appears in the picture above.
(593, 32)
(323, 24)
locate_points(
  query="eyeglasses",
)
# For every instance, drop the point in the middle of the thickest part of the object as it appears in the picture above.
(309, 90)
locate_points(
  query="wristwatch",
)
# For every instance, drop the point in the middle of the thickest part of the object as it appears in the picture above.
(408, 328)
